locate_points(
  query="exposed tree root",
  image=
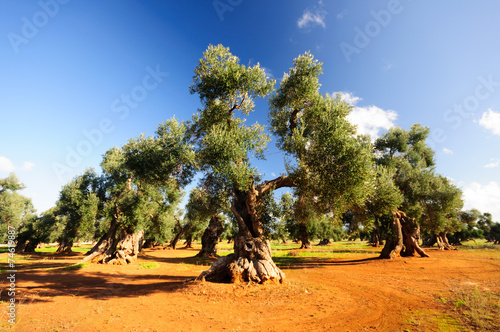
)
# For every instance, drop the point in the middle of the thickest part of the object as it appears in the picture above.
(251, 262)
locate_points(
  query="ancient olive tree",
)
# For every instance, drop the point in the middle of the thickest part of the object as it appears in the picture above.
(204, 205)
(327, 164)
(143, 182)
(46, 228)
(441, 202)
(406, 155)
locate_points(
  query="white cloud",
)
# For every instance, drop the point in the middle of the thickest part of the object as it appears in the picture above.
(6, 165)
(369, 119)
(27, 165)
(447, 151)
(494, 163)
(349, 98)
(485, 198)
(309, 18)
(491, 121)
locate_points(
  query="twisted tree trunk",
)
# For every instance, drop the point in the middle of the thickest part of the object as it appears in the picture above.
(30, 246)
(304, 237)
(21, 245)
(394, 244)
(406, 234)
(181, 232)
(65, 247)
(189, 241)
(252, 260)
(411, 237)
(106, 246)
(442, 242)
(210, 238)
(106, 252)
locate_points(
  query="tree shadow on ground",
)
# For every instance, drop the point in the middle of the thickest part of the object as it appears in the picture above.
(294, 263)
(193, 260)
(44, 286)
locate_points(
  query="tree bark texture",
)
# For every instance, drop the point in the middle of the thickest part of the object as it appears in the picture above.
(20, 246)
(375, 241)
(210, 238)
(304, 237)
(442, 242)
(406, 235)
(181, 232)
(252, 260)
(30, 246)
(106, 252)
(189, 241)
(65, 247)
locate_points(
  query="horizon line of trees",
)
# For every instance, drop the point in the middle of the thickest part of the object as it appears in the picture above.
(56, 226)
(340, 184)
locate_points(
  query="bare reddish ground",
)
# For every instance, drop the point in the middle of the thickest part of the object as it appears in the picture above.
(358, 293)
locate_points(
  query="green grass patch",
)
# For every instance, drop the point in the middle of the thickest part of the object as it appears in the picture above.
(76, 267)
(478, 244)
(53, 249)
(148, 265)
(478, 308)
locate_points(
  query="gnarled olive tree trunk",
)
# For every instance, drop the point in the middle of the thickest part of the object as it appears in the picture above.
(304, 237)
(406, 235)
(442, 242)
(65, 247)
(106, 252)
(211, 237)
(181, 232)
(252, 259)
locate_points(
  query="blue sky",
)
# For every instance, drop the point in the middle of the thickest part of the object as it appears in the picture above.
(79, 77)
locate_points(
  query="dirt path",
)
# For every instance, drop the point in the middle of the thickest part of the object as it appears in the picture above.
(358, 293)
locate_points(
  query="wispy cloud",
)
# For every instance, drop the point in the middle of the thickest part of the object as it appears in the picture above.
(447, 151)
(494, 163)
(349, 98)
(485, 198)
(28, 165)
(342, 14)
(491, 121)
(369, 119)
(269, 72)
(312, 17)
(388, 67)
(6, 165)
